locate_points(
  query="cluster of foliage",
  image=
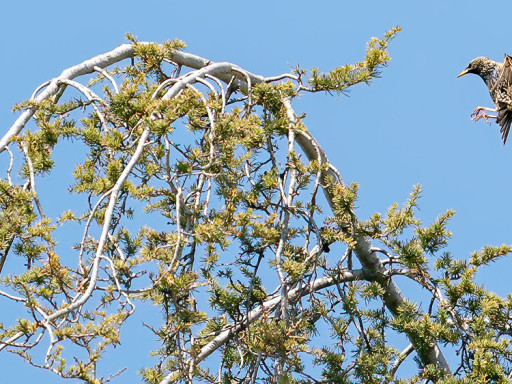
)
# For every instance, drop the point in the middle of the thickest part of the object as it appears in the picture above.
(204, 195)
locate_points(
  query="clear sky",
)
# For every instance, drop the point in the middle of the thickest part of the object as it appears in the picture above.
(410, 126)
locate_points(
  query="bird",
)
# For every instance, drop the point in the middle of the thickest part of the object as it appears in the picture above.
(498, 78)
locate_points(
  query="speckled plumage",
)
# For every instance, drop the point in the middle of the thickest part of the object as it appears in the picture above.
(498, 78)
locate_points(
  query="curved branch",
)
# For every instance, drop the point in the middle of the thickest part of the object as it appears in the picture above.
(401, 358)
(241, 80)
(293, 295)
(120, 53)
(106, 226)
(368, 257)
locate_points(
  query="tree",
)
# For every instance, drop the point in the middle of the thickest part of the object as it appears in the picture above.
(203, 193)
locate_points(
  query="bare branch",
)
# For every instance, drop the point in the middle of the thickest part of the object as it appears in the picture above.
(267, 306)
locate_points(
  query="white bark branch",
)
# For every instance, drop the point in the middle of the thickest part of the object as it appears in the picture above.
(243, 80)
(393, 297)
(120, 53)
(267, 306)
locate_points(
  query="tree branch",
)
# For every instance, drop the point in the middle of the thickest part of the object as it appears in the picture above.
(393, 297)
(293, 295)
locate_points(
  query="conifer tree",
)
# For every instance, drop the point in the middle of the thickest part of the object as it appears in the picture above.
(198, 189)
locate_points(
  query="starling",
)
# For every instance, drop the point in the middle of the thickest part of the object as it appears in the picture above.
(498, 78)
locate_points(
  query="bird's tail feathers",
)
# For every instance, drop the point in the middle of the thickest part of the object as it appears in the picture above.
(504, 119)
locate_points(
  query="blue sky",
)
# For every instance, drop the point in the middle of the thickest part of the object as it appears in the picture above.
(410, 126)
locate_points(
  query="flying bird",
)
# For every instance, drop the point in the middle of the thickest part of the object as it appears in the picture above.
(498, 78)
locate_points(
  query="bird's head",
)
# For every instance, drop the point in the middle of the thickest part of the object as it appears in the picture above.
(481, 66)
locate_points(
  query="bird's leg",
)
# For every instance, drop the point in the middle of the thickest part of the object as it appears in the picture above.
(479, 113)
(477, 110)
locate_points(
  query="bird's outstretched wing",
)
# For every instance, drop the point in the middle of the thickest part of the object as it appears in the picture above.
(504, 105)
(507, 71)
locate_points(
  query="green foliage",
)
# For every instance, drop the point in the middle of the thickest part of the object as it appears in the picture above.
(343, 77)
(233, 241)
(489, 254)
(152, 55)
(412, 252)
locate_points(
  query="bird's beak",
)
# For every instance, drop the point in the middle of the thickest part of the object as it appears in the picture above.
(463, 72)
